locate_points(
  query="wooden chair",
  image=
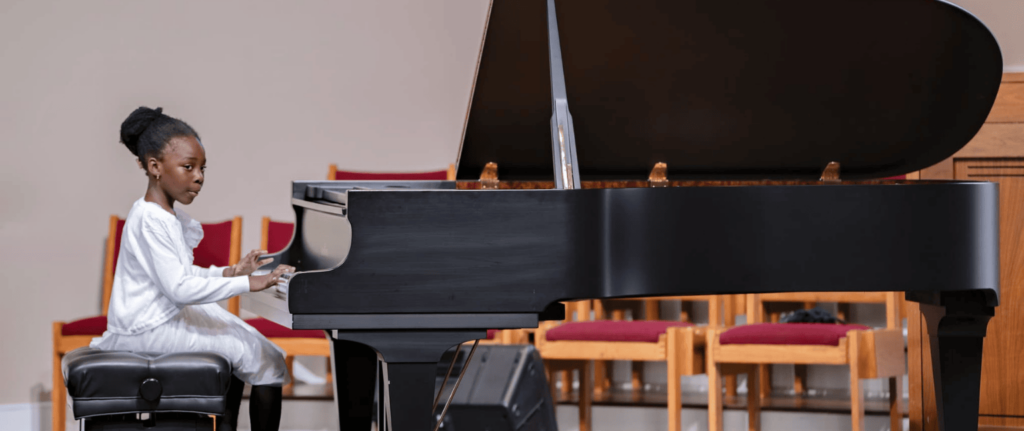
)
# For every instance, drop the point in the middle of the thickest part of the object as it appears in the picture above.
(680, 344)
(649, 309)
(868, 353)
(220, 246)
(775, 304)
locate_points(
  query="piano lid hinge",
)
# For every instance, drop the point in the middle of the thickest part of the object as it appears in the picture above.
(658, 176)
(489, 176)
(831, 174)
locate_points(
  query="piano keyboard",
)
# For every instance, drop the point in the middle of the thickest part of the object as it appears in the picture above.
(272, 302)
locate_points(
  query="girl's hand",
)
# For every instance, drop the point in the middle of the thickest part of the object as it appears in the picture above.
(260, 282)
(248, 264)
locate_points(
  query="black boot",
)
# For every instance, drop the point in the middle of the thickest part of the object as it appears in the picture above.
(265, 408)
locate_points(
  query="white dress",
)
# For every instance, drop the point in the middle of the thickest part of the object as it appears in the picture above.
(163, 303)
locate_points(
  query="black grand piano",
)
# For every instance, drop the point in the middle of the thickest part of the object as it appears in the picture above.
(771, 121)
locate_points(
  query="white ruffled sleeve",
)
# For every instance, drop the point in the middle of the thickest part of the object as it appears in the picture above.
(177, 280)
(192, 232)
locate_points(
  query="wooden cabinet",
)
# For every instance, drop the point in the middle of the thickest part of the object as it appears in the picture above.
(996, 154)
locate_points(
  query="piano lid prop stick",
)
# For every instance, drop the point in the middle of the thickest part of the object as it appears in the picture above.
(563, 140)
(457, 381)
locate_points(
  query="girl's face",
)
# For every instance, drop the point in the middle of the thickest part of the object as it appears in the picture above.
(181, 168)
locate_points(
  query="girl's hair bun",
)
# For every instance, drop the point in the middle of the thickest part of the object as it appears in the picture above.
(136, 124)
(147, 131)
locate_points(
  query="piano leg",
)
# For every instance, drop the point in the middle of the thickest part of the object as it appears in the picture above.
(411, 360)
(355, 376)
(956, 329)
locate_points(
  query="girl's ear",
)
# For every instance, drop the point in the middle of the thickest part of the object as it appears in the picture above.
(153, 167)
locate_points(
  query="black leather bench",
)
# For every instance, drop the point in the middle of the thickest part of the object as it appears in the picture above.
(113, 390)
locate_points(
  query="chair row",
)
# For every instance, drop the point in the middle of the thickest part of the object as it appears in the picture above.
(721, 349)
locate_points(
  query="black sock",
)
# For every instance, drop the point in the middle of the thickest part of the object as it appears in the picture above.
(229, 421)
(265, 408)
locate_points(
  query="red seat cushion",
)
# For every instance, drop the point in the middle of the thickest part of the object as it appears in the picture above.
(819, 334)
(491, 333)
(88, 326)
(272, 330)
(390, 176)
(609, 330)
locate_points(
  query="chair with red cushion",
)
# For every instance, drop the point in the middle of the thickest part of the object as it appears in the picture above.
(220, 246)
(869, 353)
(680, 344)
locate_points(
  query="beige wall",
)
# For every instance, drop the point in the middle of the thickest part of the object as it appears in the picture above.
(278, 90)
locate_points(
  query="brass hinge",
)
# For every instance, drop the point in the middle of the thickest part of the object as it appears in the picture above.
(831, 174)
(489, 176)
(658, 176)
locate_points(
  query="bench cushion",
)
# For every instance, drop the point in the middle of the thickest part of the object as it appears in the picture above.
(111, 382)
(820, 334)
(613, 330)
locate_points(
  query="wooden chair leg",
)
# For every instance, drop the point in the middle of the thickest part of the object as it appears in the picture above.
(638, 376)
(586, 392)
(799, 379)
(714, 395)
(601, 380)
(764, 372)
(856, 394)
(566, 382)
(675, 391)
(754, 399)
(58, 396)
(550, 371)
(730, 385)
(329, 377)
(895, 403)
(289, 362)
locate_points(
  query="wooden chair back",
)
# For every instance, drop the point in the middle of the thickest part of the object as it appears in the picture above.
(756, 303)
(275, 235)
(722, 309)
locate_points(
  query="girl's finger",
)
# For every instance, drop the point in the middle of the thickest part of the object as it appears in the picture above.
(265, 261)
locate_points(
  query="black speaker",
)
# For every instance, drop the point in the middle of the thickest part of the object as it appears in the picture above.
(503, 389)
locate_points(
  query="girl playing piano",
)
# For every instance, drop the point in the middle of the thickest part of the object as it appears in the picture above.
(161, 302)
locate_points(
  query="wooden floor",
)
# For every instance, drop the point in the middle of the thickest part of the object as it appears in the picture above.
(656, 397)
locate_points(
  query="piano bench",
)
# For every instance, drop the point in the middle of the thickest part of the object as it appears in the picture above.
(116, 390)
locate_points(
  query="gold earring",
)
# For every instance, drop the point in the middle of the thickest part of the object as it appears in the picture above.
(158, 177)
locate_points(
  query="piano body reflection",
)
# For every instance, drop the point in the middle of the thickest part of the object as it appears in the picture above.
(768, 126)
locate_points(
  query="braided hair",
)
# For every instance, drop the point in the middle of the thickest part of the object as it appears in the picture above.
(147, 131)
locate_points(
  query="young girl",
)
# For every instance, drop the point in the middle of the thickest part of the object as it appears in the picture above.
(161, 302)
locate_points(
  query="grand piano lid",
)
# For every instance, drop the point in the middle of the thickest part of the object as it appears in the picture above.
(754, 89)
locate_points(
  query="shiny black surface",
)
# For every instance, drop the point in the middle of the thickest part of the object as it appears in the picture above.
(741, 90)
(517, 251)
